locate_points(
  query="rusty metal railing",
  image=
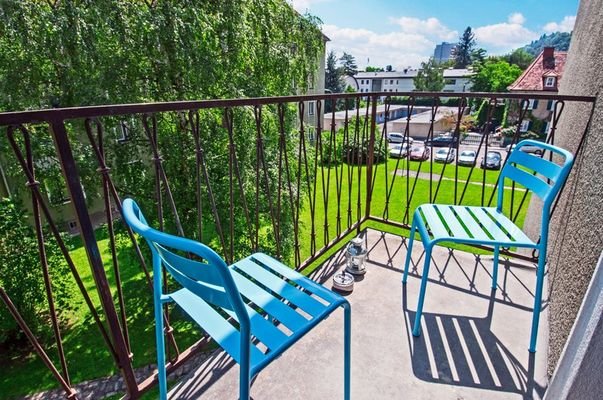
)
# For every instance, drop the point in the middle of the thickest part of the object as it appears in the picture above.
(246, 175)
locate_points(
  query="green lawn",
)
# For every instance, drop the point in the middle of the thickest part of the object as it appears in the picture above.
(397, 184)
(85, 350)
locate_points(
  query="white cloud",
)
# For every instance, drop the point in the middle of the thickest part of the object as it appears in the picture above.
(430, 27)
(505, 36)
(566, 25)
(517, 18)
(399, 49)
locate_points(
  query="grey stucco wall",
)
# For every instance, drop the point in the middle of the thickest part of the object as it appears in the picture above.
(576, 233)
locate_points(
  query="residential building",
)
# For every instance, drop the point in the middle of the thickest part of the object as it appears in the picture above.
(456, 80)
(542, 76)
(444, 52)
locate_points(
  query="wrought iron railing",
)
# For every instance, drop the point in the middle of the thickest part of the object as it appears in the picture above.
(247, 175)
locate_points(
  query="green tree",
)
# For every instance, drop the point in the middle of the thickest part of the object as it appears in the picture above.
(464, 49)
(478, 55)
(21, 273)
(494, 76)
(373, 69)
(348, 64)
(559, 40)
(333, 74)
(519, 57)
(430, 77)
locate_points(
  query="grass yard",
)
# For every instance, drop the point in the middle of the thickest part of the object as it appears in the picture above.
(86, 352)
(397, 211)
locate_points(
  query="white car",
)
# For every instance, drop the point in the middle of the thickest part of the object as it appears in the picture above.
(398, 137)
(526, 149)
(445, 155)
(467, 157)
(398, 150)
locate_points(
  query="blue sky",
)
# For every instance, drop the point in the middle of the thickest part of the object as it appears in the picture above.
(404, 33)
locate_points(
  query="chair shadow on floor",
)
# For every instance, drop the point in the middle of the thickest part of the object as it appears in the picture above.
(463, 351)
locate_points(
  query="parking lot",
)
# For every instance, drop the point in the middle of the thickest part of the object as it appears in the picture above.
(462, 147)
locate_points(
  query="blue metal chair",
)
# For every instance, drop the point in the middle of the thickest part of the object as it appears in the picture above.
(242, 306)
(489, 226)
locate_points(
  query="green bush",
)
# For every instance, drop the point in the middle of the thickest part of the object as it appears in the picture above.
(21, 275)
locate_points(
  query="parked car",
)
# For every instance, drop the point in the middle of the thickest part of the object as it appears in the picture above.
(445, 155)
(398, 137)
(493, 160)
(526, 149)
(419, 153)
(398, 150)
(467, 157)
(443, 141)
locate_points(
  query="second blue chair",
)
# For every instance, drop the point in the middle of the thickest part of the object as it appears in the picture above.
(489, 226)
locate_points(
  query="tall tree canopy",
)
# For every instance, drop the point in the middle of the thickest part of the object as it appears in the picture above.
(75, 53)
(464, 49)
(333, 74)
(494, 76)
(430, 77)
(348, 64)
(82, 53)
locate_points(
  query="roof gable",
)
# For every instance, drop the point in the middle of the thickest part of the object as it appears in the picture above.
(531, 80)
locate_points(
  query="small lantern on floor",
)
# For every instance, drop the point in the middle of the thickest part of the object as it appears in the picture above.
(356, 255)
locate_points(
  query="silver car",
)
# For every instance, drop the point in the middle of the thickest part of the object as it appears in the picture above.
(445, 155)
(398, 150)
(467, 157)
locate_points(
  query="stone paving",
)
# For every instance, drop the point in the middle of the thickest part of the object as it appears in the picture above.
(113, 385)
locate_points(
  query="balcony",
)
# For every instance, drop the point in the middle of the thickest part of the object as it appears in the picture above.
(473, 345)
(251, 174)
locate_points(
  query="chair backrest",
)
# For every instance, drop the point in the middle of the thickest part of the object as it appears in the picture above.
(537, 174)
(209, 279)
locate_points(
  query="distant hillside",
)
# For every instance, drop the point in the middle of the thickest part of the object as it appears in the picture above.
(559, 40)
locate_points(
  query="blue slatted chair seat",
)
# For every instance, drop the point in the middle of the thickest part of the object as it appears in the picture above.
(282, 306)
(470, 224)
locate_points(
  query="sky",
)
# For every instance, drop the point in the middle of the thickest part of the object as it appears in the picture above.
(404, 33)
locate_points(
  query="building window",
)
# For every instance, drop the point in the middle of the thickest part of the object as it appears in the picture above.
(362, 81)
(396, 81)
(391, 81)
(549, 81)
(532, 104)
(525, 125)
(550, 105)
(72, 225)
(311, 108)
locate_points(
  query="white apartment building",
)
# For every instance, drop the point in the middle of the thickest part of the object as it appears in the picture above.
(456, 81)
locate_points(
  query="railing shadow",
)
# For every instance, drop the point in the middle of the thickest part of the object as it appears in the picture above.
(463, 351)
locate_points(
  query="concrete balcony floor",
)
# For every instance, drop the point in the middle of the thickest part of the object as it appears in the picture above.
(473, 345)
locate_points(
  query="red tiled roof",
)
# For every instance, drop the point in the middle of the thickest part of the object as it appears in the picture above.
(531, 79)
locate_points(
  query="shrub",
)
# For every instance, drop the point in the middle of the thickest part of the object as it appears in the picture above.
(21, 274)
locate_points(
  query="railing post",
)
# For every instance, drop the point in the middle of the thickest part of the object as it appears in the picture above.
(370, 156)
(76, 193)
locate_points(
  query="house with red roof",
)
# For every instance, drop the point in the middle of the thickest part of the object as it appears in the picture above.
(543, 75)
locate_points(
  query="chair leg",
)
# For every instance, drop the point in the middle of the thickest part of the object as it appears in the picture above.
(244, 381)
(411, 239)
(495, 267)
(160, 342)
(417, 328)
(347, 347)
(537, 299)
